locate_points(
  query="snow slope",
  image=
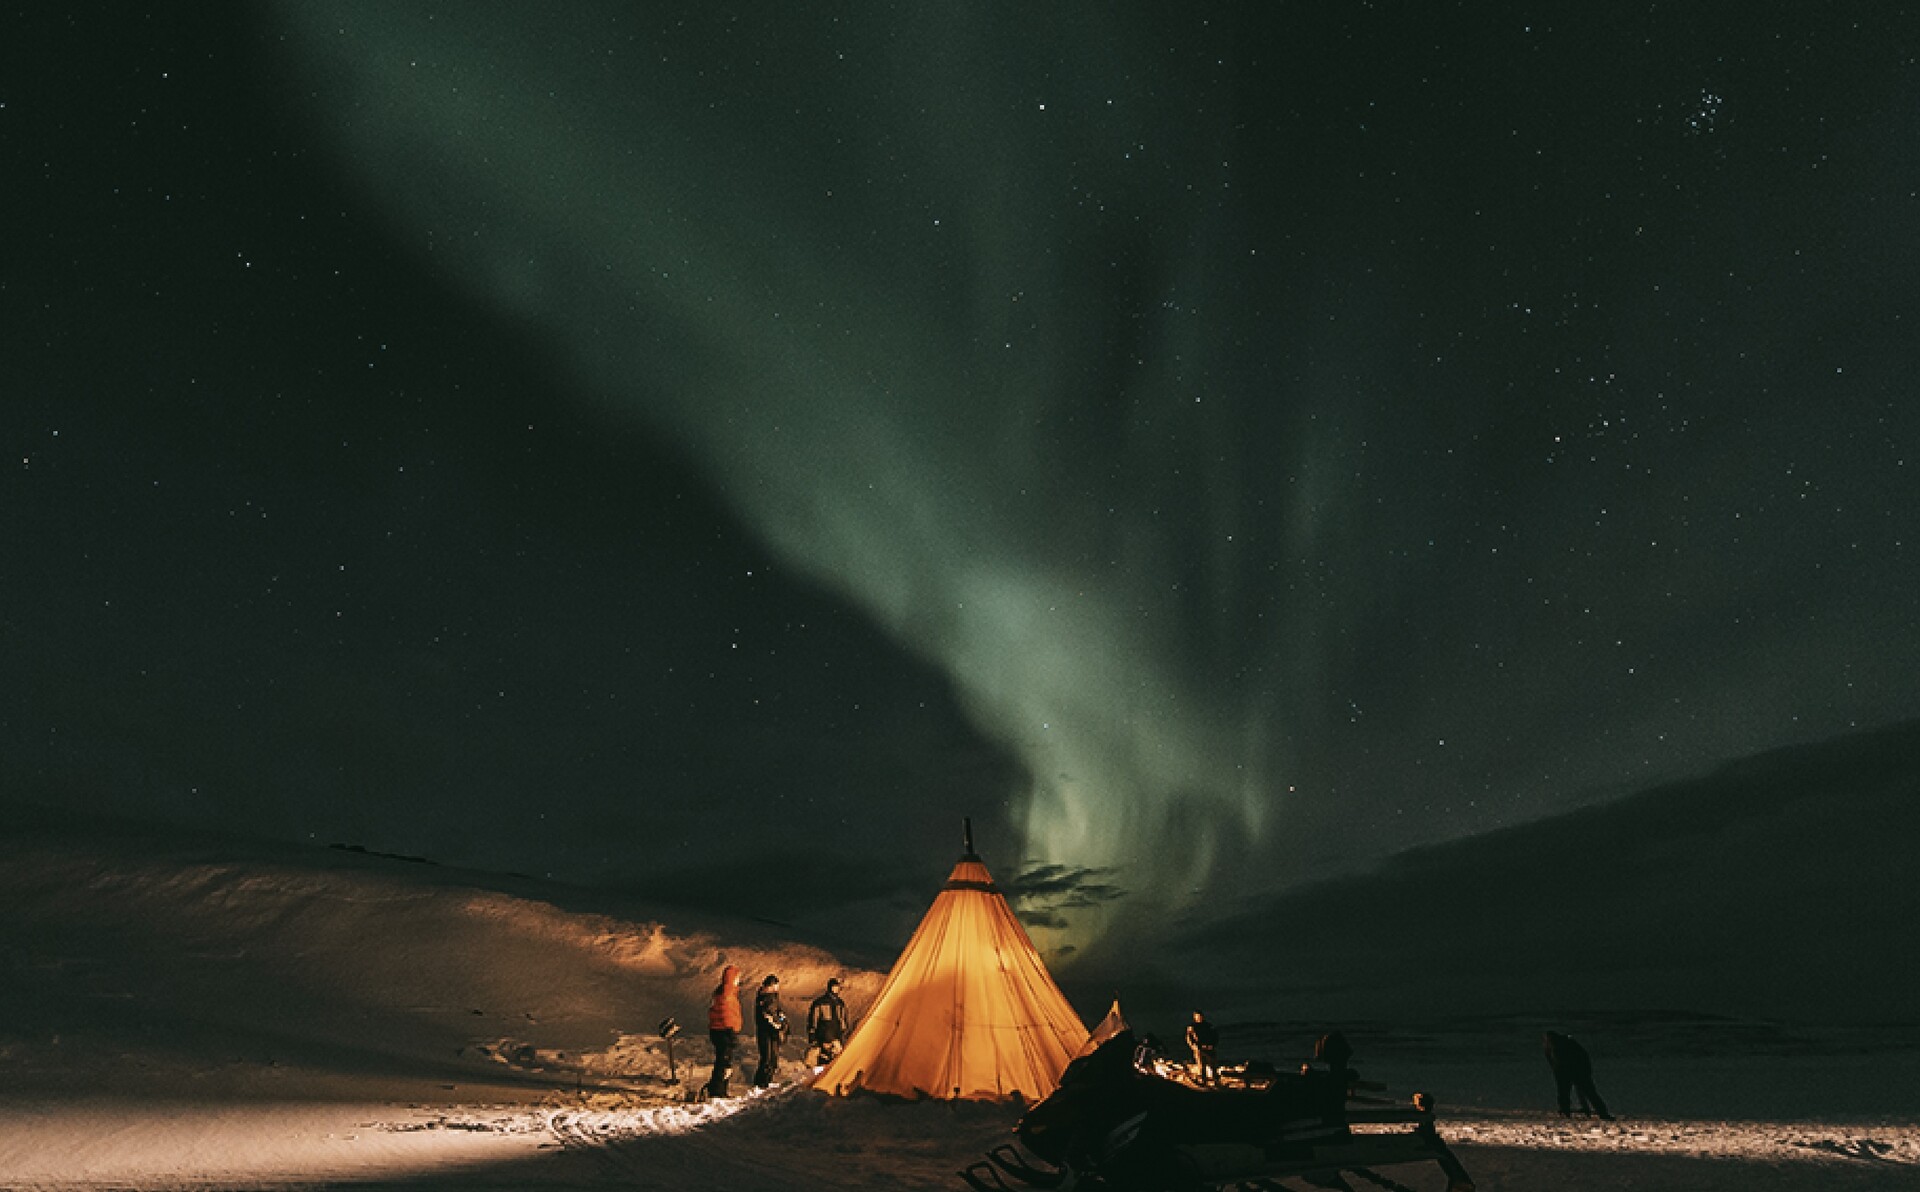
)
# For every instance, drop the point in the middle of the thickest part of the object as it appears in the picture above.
(1778, 887)
(241, 964)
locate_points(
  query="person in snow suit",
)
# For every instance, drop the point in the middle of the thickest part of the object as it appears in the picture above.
(723, 1027)
(769, 1027)
(1202, 1039)
(827, 1023)
(1573, 1072)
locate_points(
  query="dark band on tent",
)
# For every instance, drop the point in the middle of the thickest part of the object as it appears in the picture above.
(961, 883)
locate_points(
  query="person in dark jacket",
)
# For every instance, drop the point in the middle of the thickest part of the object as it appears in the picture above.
(1573, 1072)
(723, 1028)
(769, 1027)
(827, 1023)
(1202, 1039)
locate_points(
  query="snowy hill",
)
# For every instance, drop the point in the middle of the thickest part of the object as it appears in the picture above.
(1779, 886)
(133, 960)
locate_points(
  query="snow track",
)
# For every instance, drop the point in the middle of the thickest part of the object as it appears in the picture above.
(1771, 1142)
(788, 1139)
(784, 1138)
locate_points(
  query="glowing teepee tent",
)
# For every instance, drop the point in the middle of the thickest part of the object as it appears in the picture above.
(968, 1012)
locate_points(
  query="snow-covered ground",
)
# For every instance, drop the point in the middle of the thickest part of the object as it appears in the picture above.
(194, 1014)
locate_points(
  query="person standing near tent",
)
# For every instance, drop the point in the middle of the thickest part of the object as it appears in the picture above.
(1202, 1039)
(1573, 1072)
(769, 1027)
(827, 1023)
(723, 1027)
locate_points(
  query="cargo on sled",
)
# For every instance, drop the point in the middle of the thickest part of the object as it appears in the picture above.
(1125, 1119)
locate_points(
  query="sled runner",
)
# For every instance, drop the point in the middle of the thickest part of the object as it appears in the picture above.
(1124, 1120)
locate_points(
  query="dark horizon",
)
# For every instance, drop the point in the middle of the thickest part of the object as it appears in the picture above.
(1781, 912)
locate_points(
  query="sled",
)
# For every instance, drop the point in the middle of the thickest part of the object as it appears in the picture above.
(1124, 1120)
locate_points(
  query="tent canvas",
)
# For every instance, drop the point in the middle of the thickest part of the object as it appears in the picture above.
(969, 1011)
(1111, 1025)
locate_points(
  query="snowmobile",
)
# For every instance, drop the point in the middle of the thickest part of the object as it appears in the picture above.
(1125, 1119)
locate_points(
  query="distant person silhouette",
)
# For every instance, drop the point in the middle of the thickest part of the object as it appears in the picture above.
(769, 1027)
(1202, 1040)
(827, 1023)
(1333, 1050)
(1573, 1072)
(723, 1028)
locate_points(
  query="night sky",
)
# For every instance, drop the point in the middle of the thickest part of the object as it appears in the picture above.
(708, 449)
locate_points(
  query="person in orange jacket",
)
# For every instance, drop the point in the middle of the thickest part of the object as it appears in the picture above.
(723, 1028)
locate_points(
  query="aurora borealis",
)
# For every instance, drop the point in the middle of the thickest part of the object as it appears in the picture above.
(1220, 445)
